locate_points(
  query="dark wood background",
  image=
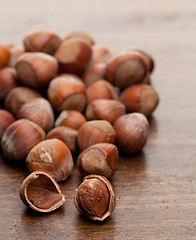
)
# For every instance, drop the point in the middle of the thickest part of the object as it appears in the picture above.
(156, 190)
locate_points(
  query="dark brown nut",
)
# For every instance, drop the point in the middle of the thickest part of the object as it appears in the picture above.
(41, 192)
(131, 132)
(51, 156)
(70, 118)
(19, 96)
(98, 159)
(84, 36)
(67, 92)
(38, 111)
(67, 135)
(6, 118)
(105, 109)
(95, 198)
(125, 69)
(73, 56)
(100, 53)
(4, 55)
(96, 131)
(7, 81)
(93, 73)
(140, 98)
(101, 89)
(42, 39)
(36, 69)
(15, 53)
(19, 138)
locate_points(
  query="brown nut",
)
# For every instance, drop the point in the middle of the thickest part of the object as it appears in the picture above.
(73, 56)
(67, 92)
(6, 118)
(65, 134)
(131, 132)
(98, 159)
(15, 53)
(19, 96)
(96, 131)
(84, 36)
(38, 111)
(41, 192)
(36, 69)
(93, 73)
(105, 109)
(125, 69)
(4, 55)
(42, 39)
(70, 118)
(140, 98)
(51, 156)
(95, 197)
(19, 138)
(100, 53)
(101, 89)
(7, 81)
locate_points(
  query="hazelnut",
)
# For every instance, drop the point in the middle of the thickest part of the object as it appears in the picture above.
(96, 131)
(95, 197)
(67, 92)
(70, 118)
(140, 98)
(99, 159)
(125, 69)
(73, 56)
(36, 69)
(131, 132)
(15, 53)
(41, 192)
(7, 81)
(6, 118)
(42, 40)
(84, 36)
(19, 96)
(4, 55)
(101, 89)
(105, 109)
(65, 134)
(100, 53)
(38, 111)
(93, 73)
(51, 156)
(19, 138)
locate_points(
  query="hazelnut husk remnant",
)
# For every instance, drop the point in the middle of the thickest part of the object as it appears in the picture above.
(40, 192)
(95, 197)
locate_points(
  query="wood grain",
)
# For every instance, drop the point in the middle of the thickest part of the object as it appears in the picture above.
(156, 189)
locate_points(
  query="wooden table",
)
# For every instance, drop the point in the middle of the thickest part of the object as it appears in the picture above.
(156, 189)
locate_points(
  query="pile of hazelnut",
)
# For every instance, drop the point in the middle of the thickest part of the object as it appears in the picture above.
(69, 98)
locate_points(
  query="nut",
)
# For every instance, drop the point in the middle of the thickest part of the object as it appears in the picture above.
(67, 92)
(95, 197)
(140, 98)
(125, 69)
(70, 118)
(105, 109)
(51, 156)
(15, 53)
(19, 138)
(96, 131)
(73, 55)
(6, 118)
(38, 111)
(101, 89)
(93, 73)
(7, 81)
(98, 159)
(19, 96)
(131, 132)
(35, 70)
(4, 55)
(41, 192)
(65, 134)
(84, 36)
(42, 40)
(100, 53)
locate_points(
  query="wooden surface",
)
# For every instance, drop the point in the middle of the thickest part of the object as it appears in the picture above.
(156, 190)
